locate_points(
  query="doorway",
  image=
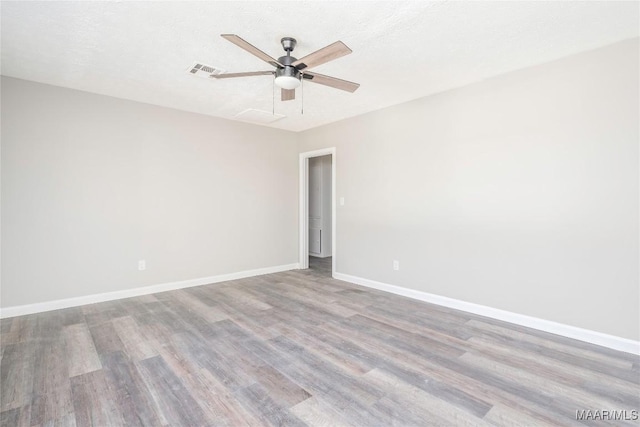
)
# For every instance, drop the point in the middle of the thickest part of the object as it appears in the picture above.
(319, 192)
(317, 212)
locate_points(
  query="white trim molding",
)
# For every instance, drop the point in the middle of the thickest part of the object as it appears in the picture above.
(593, 337)
(40, 307)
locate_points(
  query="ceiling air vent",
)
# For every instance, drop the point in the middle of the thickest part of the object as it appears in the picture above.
(204, 71)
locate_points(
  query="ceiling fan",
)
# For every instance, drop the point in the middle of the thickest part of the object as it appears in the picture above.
(289, 70)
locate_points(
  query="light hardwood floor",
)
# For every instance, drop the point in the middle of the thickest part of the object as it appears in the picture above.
(298, 348)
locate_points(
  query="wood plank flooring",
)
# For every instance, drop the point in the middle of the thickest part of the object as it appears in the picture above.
(299, 348)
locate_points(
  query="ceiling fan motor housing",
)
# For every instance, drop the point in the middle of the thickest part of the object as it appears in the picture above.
(288, 71)
(287, 77)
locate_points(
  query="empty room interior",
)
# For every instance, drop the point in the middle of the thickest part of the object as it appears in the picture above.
(320, 213)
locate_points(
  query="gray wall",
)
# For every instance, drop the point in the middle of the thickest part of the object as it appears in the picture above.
(519, 192)
(91, 184)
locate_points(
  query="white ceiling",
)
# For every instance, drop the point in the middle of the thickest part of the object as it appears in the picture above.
(401, 50)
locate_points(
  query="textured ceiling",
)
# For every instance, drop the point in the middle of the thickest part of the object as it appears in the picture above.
(401, 50)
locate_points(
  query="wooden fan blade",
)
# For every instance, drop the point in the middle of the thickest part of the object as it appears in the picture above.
(331, 81)
(242, 43)
(287, 94)
(248, 74)
(326, 54)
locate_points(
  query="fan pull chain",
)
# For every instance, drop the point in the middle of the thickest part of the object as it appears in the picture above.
(273, 96)
(302, 95)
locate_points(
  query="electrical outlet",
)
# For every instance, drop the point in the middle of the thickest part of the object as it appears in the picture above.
(142, 265)
(396, 265)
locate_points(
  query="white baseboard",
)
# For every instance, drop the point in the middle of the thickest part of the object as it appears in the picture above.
(21, 310)
(593, 337)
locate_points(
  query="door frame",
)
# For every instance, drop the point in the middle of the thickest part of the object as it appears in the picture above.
(303, 211)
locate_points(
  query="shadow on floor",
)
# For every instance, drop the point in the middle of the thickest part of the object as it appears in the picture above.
(320, 266)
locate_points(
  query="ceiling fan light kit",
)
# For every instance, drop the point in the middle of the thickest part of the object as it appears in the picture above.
(289, 70)
(287, 78)
(287, 82)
